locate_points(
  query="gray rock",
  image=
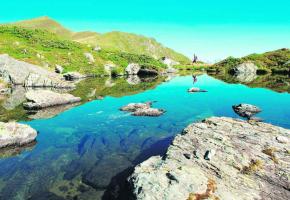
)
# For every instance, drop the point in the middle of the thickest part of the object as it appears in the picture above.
(246, 110)
(89, 57)
(17, 72)
(245, 68)
(45, 98)
(169, 62)
(174, 177)
(15, 134)
(132, 69)
(58, 69)
(192, 90)
(142, 109)
(132, 107)
(150, 112)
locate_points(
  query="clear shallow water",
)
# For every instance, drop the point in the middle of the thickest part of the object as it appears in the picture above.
(79, 152)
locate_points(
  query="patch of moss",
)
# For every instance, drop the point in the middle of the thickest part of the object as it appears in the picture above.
(271, 153)
(254, 166)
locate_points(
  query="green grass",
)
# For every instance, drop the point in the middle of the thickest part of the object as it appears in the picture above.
(48, 49)
(112, 41)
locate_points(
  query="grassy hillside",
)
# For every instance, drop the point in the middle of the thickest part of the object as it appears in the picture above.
(113, 41)
(273, 61)
(48, 49)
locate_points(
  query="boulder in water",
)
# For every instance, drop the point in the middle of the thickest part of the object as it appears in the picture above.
(45, 98)
(194, 89)
(246, 110)
(15, 134)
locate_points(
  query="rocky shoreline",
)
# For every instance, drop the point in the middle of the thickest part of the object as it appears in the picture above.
(219, 158)
(13, 134)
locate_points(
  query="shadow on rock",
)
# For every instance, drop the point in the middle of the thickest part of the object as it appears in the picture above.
(119, 188)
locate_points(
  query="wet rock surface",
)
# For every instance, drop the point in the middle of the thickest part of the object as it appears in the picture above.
(15, 134)
(142, 109)
(17, 72)
(45, 98)
(246, 110)
(219, 158)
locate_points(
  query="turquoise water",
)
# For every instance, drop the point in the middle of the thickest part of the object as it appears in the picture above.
(82, 151)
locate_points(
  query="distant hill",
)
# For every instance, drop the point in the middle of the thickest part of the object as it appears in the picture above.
(272, 61)
(114, 41)
(47, 49)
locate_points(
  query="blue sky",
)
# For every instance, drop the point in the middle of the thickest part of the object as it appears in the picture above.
(212, 29)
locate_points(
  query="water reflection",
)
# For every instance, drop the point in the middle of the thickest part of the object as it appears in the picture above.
(276, 82)
(88, 89)
(86, 152)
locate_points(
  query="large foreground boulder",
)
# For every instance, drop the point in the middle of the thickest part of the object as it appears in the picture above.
(15, 134)
(38, 99)
(219, 158)
(17, 72)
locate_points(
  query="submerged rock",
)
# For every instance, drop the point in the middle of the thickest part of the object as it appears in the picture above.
(17, 72)
(15, 134)
(45, 98)
(248, 163)
(246, 110)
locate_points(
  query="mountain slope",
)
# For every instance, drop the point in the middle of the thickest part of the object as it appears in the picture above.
(116, 41)
(47, 49)
(272, 61)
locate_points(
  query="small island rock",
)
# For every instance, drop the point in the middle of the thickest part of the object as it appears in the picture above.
(246, 110)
